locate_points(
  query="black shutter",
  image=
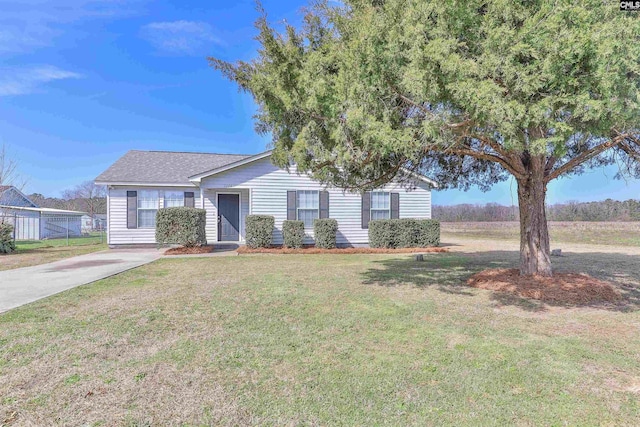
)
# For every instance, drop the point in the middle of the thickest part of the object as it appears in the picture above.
(189, 199)
(132, 209)
(324, 204)
(366, 209)
(292, 201)
(395, 205)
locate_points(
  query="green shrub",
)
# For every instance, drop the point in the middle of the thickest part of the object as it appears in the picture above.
(293, 233)
(324, 232)
(259, 230)
(181, 225)
(429, 233)
(7, 244)
(404, 233)
(407, 230)
(382, 233)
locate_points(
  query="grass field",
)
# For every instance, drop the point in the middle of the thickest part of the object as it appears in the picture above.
(36, 252)
(601, 233)
(323, 340)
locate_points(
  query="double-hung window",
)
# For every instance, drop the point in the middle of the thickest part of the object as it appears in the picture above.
(148, 202)
(173, 199)
(308, 206)
(380, 205)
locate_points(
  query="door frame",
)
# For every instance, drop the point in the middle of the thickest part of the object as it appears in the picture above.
(239, 194)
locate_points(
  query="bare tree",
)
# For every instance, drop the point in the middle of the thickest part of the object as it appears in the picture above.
(9, 170)
(88, 197)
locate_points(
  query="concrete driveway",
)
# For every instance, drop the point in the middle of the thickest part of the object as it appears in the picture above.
(24, 285)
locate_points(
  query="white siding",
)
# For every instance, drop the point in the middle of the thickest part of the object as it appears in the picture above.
(118, 233)
(269, 186)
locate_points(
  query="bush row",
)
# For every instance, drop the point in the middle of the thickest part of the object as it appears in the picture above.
(259, 230)
(388, 233)
(404, 233)
(181, 225)
(7, 244)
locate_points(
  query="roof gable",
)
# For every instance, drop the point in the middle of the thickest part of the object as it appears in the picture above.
(10, 195)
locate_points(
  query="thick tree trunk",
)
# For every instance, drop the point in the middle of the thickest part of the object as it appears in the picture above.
(534, 232)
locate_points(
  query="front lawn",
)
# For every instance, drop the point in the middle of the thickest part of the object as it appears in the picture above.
(35, 252)
(321, 340)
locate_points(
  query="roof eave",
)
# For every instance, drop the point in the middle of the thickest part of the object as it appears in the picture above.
(421, 177)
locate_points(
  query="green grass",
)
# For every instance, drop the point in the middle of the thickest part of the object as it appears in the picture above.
(94, 238)
(322, 340)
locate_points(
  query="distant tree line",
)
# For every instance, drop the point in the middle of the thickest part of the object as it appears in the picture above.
(606, 210)
(85, 197)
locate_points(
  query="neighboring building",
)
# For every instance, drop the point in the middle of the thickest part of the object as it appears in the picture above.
(42, 223)
(31, 222)
(230, 187)
(97, 222)
(11, 196)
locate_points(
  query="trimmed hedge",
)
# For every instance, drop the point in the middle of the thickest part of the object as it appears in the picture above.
(293, 233)
(324, 232)
(259, 230)
(7, 244)
(181, 225)
(404, 233)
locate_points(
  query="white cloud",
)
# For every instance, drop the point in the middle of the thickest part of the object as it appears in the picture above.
(21, 81)
(180, 37)
(26, 25)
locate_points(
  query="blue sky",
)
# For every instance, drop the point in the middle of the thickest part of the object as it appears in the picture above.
(83, 81)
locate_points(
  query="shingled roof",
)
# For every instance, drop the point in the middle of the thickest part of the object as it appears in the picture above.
(164, 167)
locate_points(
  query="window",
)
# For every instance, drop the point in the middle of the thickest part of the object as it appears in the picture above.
(148, 202)
(308, 206)
(380, 205)
(173, 199)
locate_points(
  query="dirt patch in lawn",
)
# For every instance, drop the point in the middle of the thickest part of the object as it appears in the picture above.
(193, 250)
(312, 250)
(562, 288)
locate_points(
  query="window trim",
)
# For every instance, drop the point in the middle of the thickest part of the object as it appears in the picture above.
(138, 208)
(298, 208)
(372, 209)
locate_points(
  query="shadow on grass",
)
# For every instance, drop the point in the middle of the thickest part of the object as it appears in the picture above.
(448, 273)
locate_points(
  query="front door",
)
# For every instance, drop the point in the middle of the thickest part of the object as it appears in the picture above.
(228, 217)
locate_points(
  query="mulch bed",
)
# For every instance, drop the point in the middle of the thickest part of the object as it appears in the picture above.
(312, 250)
(189, 251)
(562, 288)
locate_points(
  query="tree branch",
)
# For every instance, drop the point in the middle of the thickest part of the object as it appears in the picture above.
(489, 157)
(584, 156)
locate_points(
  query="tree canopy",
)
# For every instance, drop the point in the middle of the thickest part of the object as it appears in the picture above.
(467, 93)
(454, 89)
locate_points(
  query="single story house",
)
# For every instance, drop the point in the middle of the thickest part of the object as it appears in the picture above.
(231, 186)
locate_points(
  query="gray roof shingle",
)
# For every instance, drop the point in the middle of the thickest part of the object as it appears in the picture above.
(166, 167)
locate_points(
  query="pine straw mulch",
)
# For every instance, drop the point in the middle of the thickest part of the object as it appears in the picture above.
(562, 288)
(313, 250)
(189, 251)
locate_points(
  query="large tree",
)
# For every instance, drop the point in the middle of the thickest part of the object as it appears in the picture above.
(468, 92)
